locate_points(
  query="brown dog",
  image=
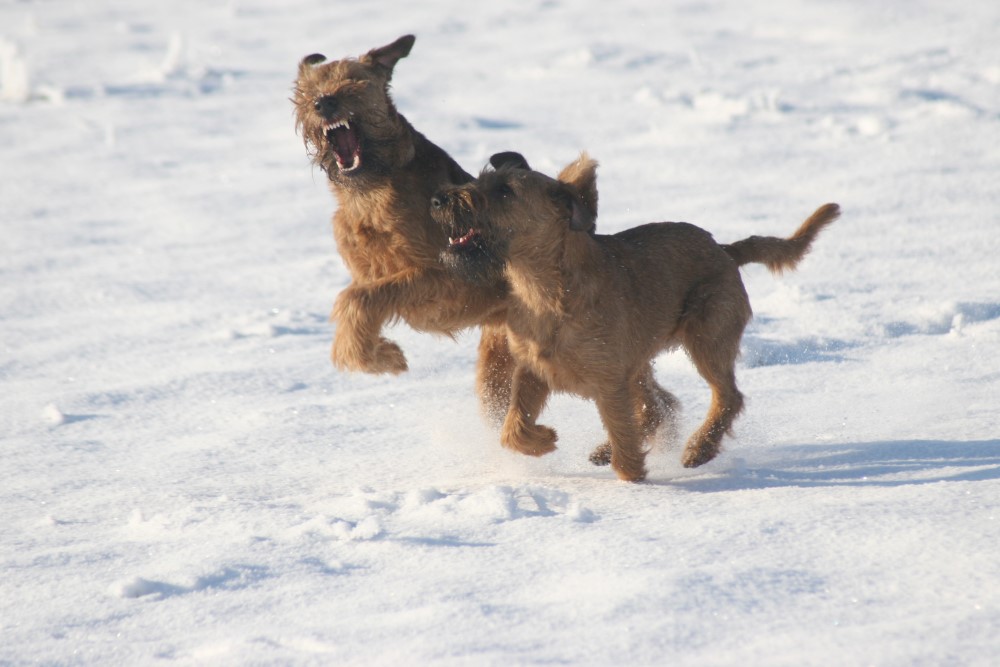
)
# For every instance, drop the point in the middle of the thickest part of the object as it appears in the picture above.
(383, 172)
(588, 313)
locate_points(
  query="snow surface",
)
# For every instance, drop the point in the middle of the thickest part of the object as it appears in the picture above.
(185, 479)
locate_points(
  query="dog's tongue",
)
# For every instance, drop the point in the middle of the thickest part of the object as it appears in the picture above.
(344, 142)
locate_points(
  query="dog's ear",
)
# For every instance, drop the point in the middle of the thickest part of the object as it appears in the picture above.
(581, 174)
(509, 159)
(386, 57)
(311, 61)
(582, 217)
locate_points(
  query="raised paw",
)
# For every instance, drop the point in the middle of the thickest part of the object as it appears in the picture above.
(389, 358)
(533, 440)
(344, 355)
(382, 357)
(695, 456)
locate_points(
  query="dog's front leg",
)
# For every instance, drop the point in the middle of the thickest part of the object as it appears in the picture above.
(360, 311)
(654, 407)
(617, 409)
(494, 373)
(520, 432)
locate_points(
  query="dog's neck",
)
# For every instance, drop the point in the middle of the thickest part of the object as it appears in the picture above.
(542, 282)
(416, 162)
(536, 289)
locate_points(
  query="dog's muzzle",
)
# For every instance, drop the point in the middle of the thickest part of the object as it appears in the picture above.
(449, 210)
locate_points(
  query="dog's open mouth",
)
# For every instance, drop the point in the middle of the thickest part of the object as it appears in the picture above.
(470, 238)
(345, 144)
(471, 256)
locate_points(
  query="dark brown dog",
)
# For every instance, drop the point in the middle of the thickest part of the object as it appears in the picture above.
(588, 313)
(383, 172)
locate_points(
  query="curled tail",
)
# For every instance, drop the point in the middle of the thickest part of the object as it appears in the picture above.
(781, 254)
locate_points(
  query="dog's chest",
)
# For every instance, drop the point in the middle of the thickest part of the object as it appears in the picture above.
(372, 252)
(548, 356)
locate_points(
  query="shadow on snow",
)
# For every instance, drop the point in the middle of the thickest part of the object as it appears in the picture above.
(874, 464)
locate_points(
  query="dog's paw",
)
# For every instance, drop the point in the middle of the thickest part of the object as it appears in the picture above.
(697, 456)
(601, 456)
(533, 440)
(383, 356)
(388, 358)
(631, 474)
(629, 466)
(343, 355)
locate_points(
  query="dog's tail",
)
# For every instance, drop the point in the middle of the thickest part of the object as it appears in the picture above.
(781, 254)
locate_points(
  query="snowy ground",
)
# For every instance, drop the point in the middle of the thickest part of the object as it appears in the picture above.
(185, 479)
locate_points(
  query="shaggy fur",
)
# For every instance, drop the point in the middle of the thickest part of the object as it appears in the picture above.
(588, 313)
(383, 172)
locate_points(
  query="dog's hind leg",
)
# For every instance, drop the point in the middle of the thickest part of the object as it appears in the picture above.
(520, 432)
(494, 374)
(727, 402)
(617, 410)
(711, 335)
(657, 408)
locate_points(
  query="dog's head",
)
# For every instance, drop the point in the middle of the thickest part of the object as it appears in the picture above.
(346, 117)
(511, 211)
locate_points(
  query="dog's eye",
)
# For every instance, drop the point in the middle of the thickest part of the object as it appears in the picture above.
(505, 190)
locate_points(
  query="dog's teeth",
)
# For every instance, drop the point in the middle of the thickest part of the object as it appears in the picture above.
(355, 163)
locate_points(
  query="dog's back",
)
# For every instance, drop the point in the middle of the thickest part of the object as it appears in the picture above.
(638, 285)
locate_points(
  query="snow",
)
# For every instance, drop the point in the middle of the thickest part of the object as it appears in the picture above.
(184, 477)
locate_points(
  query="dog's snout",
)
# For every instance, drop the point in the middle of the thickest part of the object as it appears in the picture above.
(327, 106)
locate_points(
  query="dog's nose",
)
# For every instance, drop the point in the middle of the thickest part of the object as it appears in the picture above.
(327, 106)
(438, 200)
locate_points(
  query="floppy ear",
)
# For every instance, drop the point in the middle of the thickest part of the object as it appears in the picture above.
(509, 159)
(582, 218)
(581, 175)
(387, 56)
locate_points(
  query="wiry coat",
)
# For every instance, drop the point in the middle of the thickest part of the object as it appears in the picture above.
(383, 173)
(588, 313)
